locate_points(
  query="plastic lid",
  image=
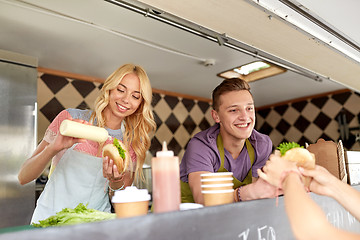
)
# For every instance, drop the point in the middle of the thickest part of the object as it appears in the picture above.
(164, 152)
(131, 194)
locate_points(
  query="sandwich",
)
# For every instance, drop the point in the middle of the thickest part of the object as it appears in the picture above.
(295, 153)
(118, 152)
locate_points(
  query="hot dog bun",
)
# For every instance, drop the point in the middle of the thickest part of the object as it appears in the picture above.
(113, 153)
(303, 158)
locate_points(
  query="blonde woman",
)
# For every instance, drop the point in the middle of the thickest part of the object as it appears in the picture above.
(78, 173)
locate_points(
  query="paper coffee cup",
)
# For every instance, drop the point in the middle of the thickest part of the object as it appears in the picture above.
(226, 186)
(216, 175)
(212, 181)
(131, 202)
(218, 197)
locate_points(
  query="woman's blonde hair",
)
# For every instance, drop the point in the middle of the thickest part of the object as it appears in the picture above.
(138, 125)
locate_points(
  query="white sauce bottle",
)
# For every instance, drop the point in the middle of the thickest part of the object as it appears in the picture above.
(80, 130)
(165, 181)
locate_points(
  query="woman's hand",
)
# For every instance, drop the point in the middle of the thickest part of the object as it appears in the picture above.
(62, 142)
(110, 170)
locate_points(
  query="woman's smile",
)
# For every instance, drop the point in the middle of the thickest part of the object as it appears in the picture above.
(124, 99)
(122, 108)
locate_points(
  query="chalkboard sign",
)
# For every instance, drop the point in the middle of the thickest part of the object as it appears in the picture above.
(258, 219)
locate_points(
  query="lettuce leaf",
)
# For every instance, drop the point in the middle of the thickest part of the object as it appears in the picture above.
(283, 147)
(80, 214)
(120, 149)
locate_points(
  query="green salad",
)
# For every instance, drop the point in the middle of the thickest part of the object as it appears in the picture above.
(69, 216)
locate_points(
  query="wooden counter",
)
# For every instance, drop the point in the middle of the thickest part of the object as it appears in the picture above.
(259, 219)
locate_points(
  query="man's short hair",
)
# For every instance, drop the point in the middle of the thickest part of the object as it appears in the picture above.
(228, 85)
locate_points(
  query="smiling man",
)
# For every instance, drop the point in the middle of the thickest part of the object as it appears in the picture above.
(231, 145)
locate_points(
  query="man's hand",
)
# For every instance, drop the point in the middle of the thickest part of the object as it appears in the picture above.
(258, 190)
(195, 186)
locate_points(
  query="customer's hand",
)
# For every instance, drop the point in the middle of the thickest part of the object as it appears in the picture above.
(322, 180)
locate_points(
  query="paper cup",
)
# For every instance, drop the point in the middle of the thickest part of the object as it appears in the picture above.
(131, 202)
(213, 181)
(216, 175)
(218, 197)
(131, 209)
(226, 186)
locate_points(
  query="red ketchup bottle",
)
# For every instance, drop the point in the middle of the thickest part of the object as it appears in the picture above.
(165, 181)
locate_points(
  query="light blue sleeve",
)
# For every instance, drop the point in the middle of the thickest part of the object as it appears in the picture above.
(79, 114)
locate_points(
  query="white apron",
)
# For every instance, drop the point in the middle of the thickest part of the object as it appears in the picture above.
(77, 178)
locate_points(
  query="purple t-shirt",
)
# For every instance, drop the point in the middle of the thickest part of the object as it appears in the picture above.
(202, 155)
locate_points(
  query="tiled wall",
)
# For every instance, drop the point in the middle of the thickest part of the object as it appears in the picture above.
(178, 119)
(307, 120)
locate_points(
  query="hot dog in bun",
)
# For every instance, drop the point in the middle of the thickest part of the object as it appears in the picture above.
(295, 153)
(118, 152)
